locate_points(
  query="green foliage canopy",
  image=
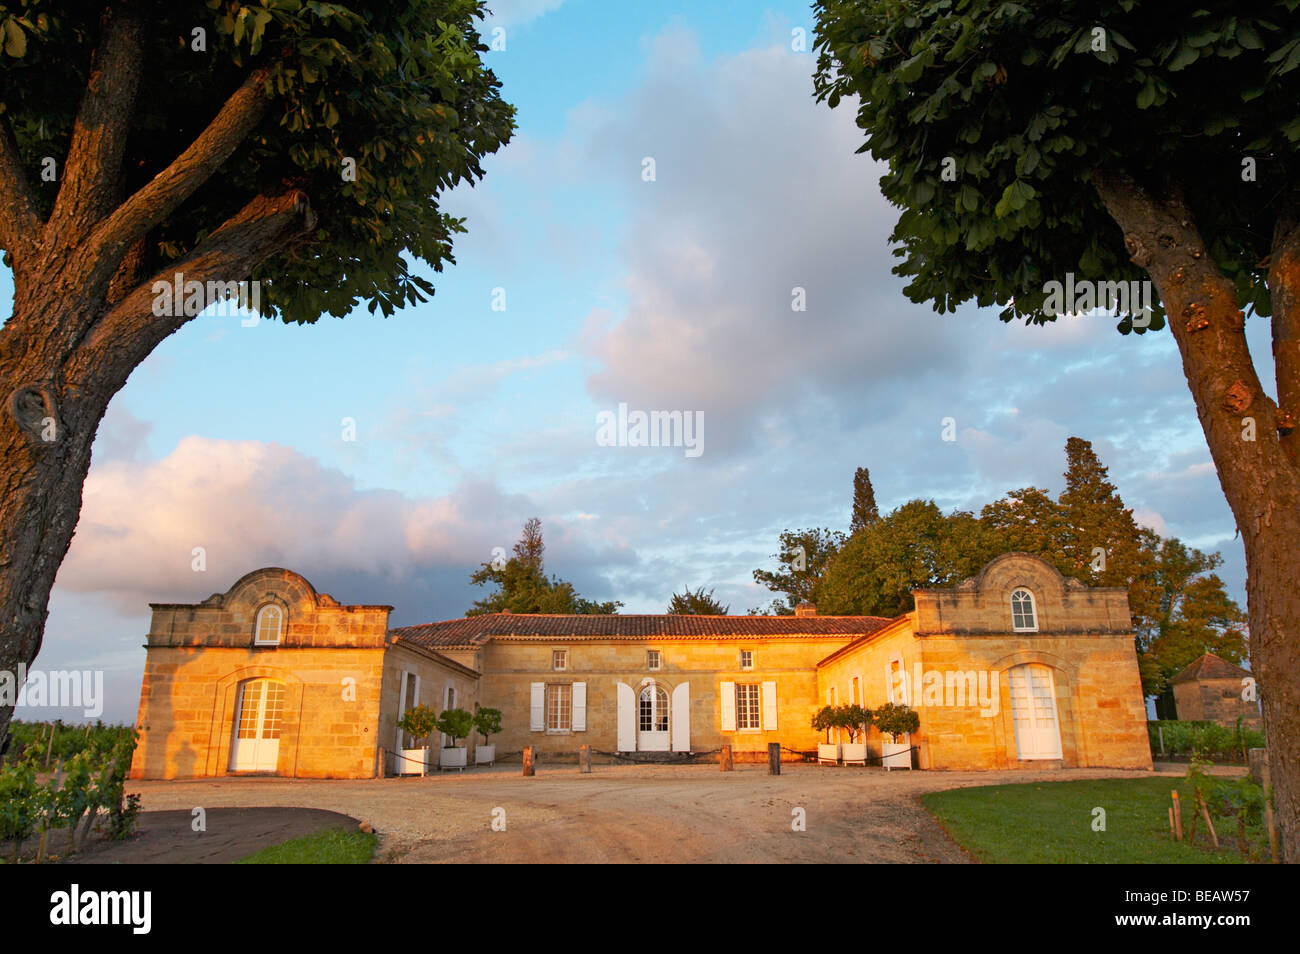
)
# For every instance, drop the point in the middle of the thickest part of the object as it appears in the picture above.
(397, 89)
(1028, 99)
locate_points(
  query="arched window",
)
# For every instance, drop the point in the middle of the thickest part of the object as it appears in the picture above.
(270, 622)
(1023, 617)
(653, 709)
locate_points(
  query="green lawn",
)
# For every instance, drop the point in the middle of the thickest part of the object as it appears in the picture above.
(333, 846)
(1051, 822)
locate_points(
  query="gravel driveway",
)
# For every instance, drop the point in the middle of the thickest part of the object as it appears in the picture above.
(629, 813)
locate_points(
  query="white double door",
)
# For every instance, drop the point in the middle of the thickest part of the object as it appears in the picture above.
(653, 720)
(1033, 709)
(259, 711)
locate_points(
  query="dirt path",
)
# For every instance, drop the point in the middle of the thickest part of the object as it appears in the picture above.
(168, 837)
(678, 813)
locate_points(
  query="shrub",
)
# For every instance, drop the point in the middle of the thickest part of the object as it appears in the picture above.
(487, 722)
(455, 724)
(895, 720)
(419, 722)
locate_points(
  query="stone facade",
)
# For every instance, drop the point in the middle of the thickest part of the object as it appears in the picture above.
(513, 666)
(1215, 690)
(1016, 667)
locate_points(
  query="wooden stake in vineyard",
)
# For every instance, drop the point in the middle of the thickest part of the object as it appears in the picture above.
(1178, 817)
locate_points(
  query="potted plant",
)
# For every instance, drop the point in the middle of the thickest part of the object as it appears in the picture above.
(895, 720)
(826, 720)
(488, 723)
(854, 719)
(454, 724)
(419, 722)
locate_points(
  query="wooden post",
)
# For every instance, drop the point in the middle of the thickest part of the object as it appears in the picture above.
(1178, 818)
(774, 758)
(528, 761)
(1205, 813)
(724, 759)
(584, 759)
(49, 748)
(1160, 730)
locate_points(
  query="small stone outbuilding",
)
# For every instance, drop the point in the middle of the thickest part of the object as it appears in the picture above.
(1212, 689)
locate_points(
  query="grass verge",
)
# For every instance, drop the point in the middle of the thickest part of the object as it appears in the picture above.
(1052, 823)
(332, 846)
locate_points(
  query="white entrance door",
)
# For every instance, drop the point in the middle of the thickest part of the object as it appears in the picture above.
(1033, 708)
(256, 745)
(652, 720)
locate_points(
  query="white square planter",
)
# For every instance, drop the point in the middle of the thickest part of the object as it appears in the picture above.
(854, 753)
(452, 758)
(412, 762)
(896, 755)
(485, 754)
(828, 753)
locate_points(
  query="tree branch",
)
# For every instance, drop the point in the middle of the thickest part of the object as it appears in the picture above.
(180, 180)
(92, 172)
(19, 223)
(126, 334)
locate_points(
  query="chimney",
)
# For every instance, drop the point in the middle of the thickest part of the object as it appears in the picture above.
(806, 609)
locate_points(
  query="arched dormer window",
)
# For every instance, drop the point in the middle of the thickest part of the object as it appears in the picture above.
(270, 624)
(1024, 618)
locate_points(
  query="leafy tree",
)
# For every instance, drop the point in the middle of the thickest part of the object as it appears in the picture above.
(523, 587)
(487, 722)
(696, 603)
(803, 558)
(914, 547)
(419, 722)
(1181, 610)
(455, 724)
(894, 720)
(1029, 521)
(1095, 518)
(301, 145)
(865, 511)
(1111, 142)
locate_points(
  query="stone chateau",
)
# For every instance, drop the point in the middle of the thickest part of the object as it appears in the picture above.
(1017, 667)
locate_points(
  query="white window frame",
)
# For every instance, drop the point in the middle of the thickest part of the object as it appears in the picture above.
(556, 687)
(279, 628)
(1033, 611)
(755, 709)
(747, 660)
(653, 660)
(559, 660)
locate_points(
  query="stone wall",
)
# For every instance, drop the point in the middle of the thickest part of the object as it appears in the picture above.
(1215, 700)
(510, 667)
(435, 676)
(330, 660)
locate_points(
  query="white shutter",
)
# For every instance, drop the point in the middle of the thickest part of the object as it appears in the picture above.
(401, 705)
(769, 707)
(682, 718)
(626, 718)
(727, 693)
(579, 707)
(537, 707)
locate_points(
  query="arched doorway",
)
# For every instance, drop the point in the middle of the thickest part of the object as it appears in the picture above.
(1034, 712)
(255, 742)
(652, 720)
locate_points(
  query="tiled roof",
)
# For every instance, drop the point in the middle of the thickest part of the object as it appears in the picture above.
(1209, 666)
(476, 630)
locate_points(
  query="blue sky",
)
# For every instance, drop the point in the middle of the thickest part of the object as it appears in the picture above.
(671, 294)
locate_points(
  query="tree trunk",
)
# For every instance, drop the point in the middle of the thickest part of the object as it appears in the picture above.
(46, 432)
(1251, 439)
